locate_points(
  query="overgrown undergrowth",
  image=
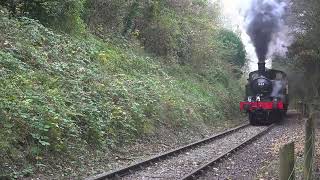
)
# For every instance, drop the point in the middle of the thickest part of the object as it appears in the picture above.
(59, 94)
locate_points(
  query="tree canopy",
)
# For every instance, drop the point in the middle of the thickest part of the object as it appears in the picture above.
(303, 61)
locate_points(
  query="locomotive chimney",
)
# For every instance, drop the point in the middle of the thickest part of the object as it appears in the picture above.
(261, 67)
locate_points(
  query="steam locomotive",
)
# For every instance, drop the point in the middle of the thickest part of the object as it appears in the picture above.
(267, 98)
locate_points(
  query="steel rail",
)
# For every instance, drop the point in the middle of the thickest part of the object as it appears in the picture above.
(139, 165)
(194, 174)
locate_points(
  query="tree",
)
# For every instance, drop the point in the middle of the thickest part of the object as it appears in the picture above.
(303, 60)
(232, 42)
(62, 15)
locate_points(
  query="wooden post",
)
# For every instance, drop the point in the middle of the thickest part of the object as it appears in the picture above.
(308, 110)
(303, 110)
(287, 161)
(309, 148)
(300, 110)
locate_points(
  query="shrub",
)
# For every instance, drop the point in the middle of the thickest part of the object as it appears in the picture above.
(62, 15)
(62, 94)
(105, 16)
(232, 46)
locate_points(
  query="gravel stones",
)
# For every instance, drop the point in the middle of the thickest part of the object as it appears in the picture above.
(260, 159)
(178, 166)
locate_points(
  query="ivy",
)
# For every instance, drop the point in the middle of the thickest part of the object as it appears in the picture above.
(61, 93)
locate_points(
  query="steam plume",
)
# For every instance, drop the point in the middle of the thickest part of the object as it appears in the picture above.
(264, 26)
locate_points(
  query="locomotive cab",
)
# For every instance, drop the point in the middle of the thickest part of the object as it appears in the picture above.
(266, 99)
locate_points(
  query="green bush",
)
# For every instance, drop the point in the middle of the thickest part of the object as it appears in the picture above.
(232, 47)
(58, 88)
(62, 93)
(62, 15)
(105, 16)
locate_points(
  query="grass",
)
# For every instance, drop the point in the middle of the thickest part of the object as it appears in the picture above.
(61, 94)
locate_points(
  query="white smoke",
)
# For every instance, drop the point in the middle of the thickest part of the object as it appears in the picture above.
(281, 41)
(234, 16)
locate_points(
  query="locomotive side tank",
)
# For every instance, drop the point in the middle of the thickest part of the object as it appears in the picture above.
(266, 100)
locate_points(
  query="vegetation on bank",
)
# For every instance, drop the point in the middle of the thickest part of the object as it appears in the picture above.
(72, 80)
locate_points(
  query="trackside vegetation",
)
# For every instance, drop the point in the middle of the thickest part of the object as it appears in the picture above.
(81, 76)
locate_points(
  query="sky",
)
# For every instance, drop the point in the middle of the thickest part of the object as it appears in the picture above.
(234, 12)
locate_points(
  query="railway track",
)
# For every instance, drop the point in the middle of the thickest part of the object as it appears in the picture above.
(201, 169)
(208, 156)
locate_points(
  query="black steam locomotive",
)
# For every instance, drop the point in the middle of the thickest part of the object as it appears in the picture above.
(267, 97)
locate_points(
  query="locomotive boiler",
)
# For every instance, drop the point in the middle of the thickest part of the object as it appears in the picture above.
(266, 100)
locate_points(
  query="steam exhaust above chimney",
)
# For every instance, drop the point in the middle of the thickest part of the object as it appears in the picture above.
(265, 22)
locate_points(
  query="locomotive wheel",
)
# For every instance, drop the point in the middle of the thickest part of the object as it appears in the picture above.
(276, 116)
(260, 118)
(253, 119)
(285, 110)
